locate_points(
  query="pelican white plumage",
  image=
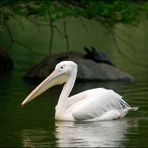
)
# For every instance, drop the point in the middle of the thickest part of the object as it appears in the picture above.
(90, 105)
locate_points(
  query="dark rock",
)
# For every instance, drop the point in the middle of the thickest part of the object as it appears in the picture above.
(90, 70)
(6, 62)
(87, 69)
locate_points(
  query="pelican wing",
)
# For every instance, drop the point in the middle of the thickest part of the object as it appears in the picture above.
(99, 102)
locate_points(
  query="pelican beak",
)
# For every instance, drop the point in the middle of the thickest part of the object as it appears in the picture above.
(55, 78)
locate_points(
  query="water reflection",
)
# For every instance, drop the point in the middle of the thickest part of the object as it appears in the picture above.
(34, 138)
(79, 134)
(31, 138)
(92, 134)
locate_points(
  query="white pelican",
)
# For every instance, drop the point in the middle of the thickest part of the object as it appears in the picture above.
(90, 105)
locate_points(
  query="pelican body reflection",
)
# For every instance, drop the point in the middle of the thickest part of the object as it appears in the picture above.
(80, 134)
(91, 134)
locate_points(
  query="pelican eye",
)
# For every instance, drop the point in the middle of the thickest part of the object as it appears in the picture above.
(61, 67)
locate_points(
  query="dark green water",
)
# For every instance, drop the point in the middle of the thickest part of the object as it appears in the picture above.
(34, 125)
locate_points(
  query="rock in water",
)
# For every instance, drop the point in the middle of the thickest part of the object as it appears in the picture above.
(87, 69)
(6, 62)
(90, 70)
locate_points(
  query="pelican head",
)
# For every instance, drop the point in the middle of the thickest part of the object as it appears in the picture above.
(60, 75)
